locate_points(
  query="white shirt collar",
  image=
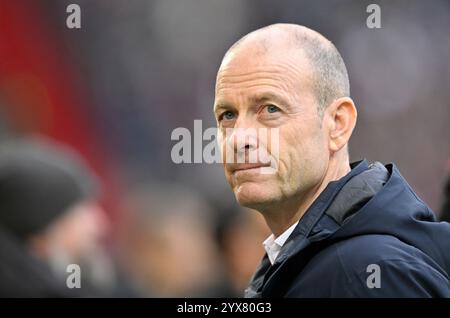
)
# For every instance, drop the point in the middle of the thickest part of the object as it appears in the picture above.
(273, 245)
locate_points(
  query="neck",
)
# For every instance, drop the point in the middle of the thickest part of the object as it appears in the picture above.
(293, 209)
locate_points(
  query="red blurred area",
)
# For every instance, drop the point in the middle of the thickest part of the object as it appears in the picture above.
(41, 91)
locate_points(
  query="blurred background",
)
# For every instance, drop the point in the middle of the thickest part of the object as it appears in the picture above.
(112, 92)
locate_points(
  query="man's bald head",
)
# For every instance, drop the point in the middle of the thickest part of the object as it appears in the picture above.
(329, 78)
(288, 82)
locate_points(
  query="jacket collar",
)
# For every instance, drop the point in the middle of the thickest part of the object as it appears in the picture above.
(299, 237)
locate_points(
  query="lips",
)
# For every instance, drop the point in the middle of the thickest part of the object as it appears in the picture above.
(245, 166)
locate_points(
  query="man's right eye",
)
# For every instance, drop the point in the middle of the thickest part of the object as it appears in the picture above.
(228, 115)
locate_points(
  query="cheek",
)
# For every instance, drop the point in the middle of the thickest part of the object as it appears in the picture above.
(291, 150)
(225, 145)
(302, 152)
(221, 143)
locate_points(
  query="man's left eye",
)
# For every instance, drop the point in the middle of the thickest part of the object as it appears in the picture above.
(272, 109)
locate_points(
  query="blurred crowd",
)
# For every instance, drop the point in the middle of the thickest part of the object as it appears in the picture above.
(166, 242)
(86, 117)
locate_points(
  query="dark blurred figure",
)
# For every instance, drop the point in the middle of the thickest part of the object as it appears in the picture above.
(165, 242)
(445, 211)
(49, 218)
(239, 233)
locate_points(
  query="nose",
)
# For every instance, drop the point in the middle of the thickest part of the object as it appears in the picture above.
(244, 139)
(241, 142)
(248, 142)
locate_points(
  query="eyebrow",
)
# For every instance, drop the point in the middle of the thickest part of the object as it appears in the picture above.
(265, 97)
(222, 106)
(254, 100)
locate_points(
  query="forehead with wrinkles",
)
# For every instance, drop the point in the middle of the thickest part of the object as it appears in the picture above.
(291, 58)
(269, 58)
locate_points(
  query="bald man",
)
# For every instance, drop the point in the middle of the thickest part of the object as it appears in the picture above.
(339, 229)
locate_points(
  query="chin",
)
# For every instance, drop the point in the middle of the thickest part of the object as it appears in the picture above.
(253, 195)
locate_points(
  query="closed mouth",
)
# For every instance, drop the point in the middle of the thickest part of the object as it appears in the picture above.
(247, 166)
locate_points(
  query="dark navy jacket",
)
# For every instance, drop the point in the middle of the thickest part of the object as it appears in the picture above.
(366, 235)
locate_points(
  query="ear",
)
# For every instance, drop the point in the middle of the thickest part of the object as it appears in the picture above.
(341, 117)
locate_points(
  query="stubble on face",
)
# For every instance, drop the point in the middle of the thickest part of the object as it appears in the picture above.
(283, 75)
